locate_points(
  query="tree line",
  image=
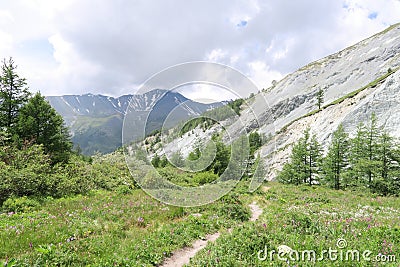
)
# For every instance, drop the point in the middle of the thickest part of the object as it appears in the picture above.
(370, 159)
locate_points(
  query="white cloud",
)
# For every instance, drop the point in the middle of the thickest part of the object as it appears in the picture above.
(109, 47)
(262, 75)
(206, 93)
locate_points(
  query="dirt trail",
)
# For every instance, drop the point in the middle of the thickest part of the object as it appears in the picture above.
(183, 256)
(256, 211)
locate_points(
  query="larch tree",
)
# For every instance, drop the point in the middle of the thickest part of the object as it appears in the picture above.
(336, 160)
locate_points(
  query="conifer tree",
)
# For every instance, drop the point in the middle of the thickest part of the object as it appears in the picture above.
(39, 122)
(320, 98)
(358, 157)
(305, 161)
(314, 159)
(372, 148)
(13, 94)
(336, 160)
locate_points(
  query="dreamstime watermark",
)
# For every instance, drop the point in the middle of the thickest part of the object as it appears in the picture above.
(139, 123)
(339, 253)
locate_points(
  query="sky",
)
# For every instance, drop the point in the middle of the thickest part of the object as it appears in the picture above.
(112, 47)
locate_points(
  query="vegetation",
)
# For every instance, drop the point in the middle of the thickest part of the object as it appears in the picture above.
(39, 123)
(311, 219)
(236, 105)
(78, 231)
(13, 95)
(59, 208)
(370, 159)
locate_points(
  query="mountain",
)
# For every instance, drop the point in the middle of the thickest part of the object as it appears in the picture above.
(358, 81)
(95, 121)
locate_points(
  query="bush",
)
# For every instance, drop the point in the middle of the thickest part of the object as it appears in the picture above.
(233, 208)
(123, 190)
(20, 204)
(202, 178)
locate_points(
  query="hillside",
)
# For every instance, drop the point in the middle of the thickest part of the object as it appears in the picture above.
(357, 82)
(95, 121)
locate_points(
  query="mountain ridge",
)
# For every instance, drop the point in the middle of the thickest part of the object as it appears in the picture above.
(95, 120)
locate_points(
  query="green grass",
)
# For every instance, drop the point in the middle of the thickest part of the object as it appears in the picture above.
(111, 229)
(310, 218)
(108, 228)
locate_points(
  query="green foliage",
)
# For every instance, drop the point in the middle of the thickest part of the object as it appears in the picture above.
(255, 142)
(203, 122)
(305, 162)
(369, 160)
(236, 105)
(336, 161)
(20, 204)
(155, 161)
(143, 231)
(308, 218)
(40, 123)
(202, 178)
(13, 94)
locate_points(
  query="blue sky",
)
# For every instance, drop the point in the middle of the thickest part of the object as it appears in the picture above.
(111, 47)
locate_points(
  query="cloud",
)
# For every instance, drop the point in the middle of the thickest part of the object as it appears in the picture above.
(111, 47)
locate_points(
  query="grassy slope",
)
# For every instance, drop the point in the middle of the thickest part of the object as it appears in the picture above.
(107, 228)
(310, 218)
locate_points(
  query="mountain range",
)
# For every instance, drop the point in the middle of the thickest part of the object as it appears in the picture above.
(95, 121)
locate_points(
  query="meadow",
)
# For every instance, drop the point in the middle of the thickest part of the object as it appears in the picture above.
(105, 228)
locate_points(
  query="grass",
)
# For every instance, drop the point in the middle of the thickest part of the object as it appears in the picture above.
(111, 229)
(108, 228)
(311, 218)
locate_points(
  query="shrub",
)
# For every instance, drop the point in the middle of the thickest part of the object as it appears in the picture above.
(202, 178)
(20, 204)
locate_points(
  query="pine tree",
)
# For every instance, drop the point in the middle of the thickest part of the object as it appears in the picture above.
(336, 160)
(13, 94)
(39, 122)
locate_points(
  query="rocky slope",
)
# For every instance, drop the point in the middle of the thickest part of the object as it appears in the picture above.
(364, 77)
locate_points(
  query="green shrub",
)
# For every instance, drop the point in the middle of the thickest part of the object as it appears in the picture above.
(202, 178)
(20, 204)
(123, 190)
